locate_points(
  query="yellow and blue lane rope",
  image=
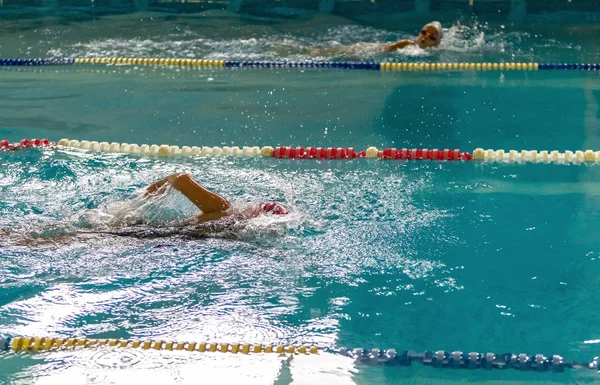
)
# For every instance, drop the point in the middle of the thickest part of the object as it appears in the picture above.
(378, 66)
(391, 357)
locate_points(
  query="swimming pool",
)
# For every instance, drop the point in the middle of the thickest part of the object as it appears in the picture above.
(424, 256)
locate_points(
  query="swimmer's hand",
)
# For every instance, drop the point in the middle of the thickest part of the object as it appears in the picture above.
(155, 189)
(159, 188)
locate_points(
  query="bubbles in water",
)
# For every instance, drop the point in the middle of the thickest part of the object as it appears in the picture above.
(117, 359)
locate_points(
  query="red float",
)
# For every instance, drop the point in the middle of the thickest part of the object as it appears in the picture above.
(331, 153)
(282, 152)
(445, 153)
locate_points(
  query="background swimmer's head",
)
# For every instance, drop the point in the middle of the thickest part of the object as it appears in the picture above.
(431, 35)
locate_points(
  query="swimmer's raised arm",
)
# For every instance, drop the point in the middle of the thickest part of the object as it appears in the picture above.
(212, 205)
(155, 187)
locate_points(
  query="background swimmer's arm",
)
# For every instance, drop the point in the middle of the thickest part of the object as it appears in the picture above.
(211, 204)
(398, 45)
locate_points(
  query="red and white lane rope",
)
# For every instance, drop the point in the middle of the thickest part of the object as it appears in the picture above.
(268, 151)
(24, 144)
(331, 153)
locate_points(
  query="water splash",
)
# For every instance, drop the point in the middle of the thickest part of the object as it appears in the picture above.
(167, 208)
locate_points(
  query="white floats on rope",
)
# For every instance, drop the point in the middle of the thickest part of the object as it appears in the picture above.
(534, 156)
(165, 150)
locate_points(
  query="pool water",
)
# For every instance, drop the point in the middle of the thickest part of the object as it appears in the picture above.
(423, 256)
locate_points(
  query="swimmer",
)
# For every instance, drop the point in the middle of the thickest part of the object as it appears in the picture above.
(211, 205)
(430, 36)
(216, 217)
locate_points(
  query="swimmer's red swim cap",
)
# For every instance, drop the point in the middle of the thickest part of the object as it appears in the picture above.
(274, 208)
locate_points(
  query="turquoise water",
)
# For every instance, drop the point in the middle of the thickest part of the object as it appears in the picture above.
(423, 256)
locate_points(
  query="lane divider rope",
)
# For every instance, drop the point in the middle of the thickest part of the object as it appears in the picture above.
(379, 66)
(268, 151)
(5, 145)
(438, 359)
(479, 154)
(534, 156)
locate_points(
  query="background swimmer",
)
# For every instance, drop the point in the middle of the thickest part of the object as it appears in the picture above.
(430, 36)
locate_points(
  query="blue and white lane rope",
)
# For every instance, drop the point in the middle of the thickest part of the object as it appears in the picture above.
(391, 357)
(377, 66)
(36, 62)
